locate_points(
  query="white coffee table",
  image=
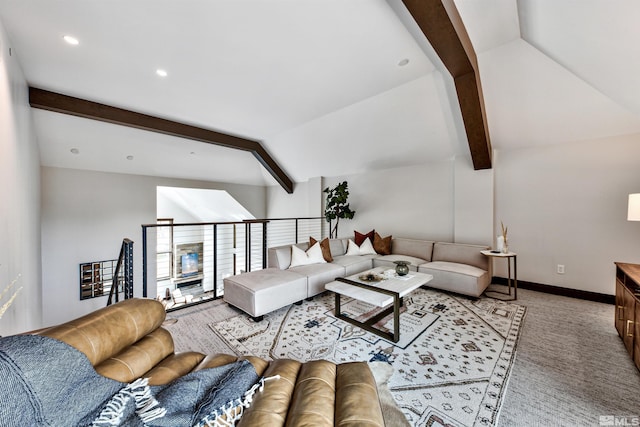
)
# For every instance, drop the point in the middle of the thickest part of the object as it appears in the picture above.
(387, 292)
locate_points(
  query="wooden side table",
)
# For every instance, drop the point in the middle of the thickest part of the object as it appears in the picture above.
(510, 257)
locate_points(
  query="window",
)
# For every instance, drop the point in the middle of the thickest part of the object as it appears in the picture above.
(164, 249)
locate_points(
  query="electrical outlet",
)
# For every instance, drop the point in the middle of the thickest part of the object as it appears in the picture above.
(560, 269)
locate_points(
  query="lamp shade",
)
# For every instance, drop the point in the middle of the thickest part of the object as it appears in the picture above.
(634, 207)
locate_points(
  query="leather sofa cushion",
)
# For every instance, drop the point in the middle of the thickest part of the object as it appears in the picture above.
(356, 396)
(109, 330)
(272, 405)
(314, 396)
(137, 359)
(316, 393)
(174, 366)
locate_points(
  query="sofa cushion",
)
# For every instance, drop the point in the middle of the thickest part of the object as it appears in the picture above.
(460, 278)
(461, 253)
(382, 245)
(354, 264)
(312, 256)
(359, 238)
(416, 248)
(387, 261)
(338, 246)
(317, 275)
(325, 246)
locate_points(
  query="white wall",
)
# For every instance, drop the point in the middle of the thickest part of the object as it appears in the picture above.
(85, 216)
(414, 201)
(446, 201)
(473, 195)
(305, 201)
(567, 204)
(188, 205)
(19, 198)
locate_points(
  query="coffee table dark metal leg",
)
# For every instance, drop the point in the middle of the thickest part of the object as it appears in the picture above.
(368, 325)
(397, 302)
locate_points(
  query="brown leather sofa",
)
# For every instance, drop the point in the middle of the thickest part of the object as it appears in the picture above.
(126, 341)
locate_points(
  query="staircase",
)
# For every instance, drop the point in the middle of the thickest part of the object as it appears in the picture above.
(123, 276)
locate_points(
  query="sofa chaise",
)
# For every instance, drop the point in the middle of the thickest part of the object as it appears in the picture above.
(456, 267)
(124, 342)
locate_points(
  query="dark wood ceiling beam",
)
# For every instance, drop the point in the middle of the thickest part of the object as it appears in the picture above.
(440, 22)
(52, 101)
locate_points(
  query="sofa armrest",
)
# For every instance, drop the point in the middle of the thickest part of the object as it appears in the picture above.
(109, 330)
(462, 254)
(280, 256)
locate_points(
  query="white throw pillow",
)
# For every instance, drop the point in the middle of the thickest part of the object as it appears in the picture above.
(312, 256)
(365, 249)
(352, 248)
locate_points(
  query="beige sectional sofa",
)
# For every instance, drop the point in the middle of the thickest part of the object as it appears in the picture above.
(455, 267)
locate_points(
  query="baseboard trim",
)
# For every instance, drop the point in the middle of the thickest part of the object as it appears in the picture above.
(557, 290)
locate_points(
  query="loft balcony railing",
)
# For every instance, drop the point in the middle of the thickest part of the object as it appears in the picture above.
(184, 256)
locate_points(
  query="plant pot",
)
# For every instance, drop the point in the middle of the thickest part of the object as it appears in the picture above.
(402, 267)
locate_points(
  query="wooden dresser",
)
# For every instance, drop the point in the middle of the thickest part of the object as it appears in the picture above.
(628, 307)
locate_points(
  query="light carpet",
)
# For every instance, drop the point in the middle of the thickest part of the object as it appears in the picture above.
(451, 365)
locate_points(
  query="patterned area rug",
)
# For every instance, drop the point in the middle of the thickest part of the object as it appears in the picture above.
(451, 364)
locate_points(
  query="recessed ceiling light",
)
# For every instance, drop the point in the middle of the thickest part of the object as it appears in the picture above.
(75, 151)
(403, 62)
(161, 72)
(129, 157)
(71, 40)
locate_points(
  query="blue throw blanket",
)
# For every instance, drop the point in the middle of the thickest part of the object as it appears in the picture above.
(45, 382)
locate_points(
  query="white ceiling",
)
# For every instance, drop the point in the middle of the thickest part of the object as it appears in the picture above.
(317, 82)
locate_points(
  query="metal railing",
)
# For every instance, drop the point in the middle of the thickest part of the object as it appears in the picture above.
(221, 249)
(123, 274)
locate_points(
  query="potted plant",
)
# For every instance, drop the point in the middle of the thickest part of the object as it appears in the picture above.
(337, 206)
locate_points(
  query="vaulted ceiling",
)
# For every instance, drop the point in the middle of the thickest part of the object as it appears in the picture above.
(319, 83)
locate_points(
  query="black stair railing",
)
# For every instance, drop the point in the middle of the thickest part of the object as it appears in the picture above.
(123, 275)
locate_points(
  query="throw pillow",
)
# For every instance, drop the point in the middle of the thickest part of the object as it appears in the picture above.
(352, 248)
(382, 245)
(324, 245)
(359, 238)
(365, 249)
(312, 256)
